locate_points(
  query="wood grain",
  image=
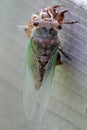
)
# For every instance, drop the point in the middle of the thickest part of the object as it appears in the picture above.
(67, 105)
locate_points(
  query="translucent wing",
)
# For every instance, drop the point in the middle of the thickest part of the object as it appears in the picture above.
(35, 100)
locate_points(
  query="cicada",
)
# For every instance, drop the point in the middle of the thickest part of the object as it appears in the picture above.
(43, 54)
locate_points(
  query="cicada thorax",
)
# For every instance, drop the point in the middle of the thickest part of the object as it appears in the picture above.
(44, 44)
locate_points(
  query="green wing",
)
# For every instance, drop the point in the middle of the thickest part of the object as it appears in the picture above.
(35, 100)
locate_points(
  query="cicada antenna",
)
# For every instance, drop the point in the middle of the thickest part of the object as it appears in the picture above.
(19, 26)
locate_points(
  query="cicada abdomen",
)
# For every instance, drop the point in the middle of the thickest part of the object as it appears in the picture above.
(43, 54)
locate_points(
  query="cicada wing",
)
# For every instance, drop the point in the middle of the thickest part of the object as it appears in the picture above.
(30, 95)
(35, 100)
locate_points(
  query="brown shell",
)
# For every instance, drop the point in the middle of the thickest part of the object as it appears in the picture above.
(48, 16)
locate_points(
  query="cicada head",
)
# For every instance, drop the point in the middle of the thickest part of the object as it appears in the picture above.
(43, 20)
(47, 17)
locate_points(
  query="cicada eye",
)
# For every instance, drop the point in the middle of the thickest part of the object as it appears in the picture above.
(52, 32)
(36, 23)
(59, 27)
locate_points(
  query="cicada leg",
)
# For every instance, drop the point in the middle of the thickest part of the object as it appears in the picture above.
(61, 16)
(58, 62)
(61, 50)
(56, 6)
(65, 22)
(52, 11)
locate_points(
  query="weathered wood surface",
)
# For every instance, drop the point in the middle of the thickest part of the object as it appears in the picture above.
(67, 106)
